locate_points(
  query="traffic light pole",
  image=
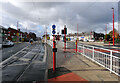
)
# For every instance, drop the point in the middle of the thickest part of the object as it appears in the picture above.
(77, 38)
(54, 49)
(54, 55)
(76, 46)
(64, 40)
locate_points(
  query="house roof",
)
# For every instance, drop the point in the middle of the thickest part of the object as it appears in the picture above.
(3, 27)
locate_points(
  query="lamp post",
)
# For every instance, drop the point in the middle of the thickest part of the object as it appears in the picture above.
(106, 32)
(113, 26)
(17, 32)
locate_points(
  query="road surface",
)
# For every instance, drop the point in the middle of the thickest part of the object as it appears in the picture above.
(29, 65)
(9, 51)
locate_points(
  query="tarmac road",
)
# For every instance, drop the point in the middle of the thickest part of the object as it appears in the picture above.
(8, 51)
(28, 66)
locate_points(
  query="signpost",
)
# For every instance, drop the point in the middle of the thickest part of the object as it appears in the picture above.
(54, 48)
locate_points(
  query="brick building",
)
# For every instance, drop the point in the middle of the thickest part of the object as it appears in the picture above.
(3, 33)
(14, 34)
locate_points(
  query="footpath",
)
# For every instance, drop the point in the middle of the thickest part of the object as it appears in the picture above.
(73, 67)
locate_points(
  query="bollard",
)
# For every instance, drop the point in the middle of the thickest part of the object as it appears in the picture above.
(109, 43)
(76, 46)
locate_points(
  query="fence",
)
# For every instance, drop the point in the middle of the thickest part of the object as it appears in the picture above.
(109, 59)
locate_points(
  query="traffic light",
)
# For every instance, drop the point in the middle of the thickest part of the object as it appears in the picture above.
(65, 30)
(62, 31)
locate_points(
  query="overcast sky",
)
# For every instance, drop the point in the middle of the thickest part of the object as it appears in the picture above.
(35, 16)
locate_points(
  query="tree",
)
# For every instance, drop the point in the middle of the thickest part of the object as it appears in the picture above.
(107, 36)
(32, 35)
(116, 34)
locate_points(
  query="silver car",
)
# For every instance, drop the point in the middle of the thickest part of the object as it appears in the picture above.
(7, 43)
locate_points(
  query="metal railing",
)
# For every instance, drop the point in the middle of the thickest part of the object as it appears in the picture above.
(50, 42)
(107, 58)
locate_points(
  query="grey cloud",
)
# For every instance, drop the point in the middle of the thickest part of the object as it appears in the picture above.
(88, 15)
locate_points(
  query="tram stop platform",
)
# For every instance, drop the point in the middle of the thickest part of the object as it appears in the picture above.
(72, 67)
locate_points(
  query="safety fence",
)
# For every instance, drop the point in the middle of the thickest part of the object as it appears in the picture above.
(110, 59)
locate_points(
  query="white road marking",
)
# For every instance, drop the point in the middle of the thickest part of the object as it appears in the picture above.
(24, 59)
(12, 56)
(45, 54)
(18, 64)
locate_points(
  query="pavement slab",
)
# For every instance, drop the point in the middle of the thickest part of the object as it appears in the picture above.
(80, 66)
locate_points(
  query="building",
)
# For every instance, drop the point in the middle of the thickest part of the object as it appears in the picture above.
(26, 37)
(86, 35)
(14, 34)
(4, 33)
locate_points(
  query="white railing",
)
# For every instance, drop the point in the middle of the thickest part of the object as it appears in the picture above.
(50, 43)
(107, 58)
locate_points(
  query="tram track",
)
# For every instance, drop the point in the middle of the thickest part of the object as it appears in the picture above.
(16, 56)
(28, 65)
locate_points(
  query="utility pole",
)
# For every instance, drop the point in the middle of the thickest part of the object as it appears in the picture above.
(17, 32)
(106, 32)
(113, 27)
(46, 34)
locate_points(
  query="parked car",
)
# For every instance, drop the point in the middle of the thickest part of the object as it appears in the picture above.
(86, 40)
(7, 43)
(91, 40)
(81, 40)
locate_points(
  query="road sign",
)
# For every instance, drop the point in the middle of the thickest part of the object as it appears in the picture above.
(53, 31)
(53, 26)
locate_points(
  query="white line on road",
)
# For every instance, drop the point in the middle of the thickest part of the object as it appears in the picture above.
(45, 54)
(11, 56)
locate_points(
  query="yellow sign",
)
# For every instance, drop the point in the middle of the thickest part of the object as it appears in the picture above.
(17, 34)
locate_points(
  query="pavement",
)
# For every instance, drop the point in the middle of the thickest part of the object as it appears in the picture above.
(75, 67)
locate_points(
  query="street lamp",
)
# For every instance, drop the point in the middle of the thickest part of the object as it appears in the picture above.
(106, 32)
(113, 26)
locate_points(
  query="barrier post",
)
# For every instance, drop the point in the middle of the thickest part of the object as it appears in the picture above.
(111, 61)
(93, 54)
(83, 51)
